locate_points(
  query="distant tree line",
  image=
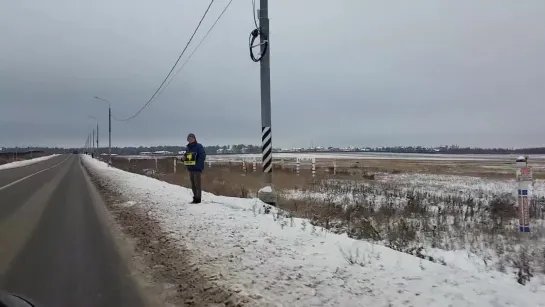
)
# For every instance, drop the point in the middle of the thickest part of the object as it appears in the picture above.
(459, 150)
(242, 148)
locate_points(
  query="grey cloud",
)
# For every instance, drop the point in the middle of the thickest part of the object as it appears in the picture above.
(348, 72)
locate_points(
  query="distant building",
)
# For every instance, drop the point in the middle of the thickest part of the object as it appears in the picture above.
(321, 148)
(162, 153)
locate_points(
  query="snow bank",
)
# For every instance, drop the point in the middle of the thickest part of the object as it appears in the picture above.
(279, 261)
(25, 162)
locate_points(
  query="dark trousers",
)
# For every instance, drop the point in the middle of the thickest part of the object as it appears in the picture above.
(195, 178)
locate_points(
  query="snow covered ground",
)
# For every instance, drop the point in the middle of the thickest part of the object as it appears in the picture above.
(25, 162)
(450, 184)
(281, 261)
(438, 185)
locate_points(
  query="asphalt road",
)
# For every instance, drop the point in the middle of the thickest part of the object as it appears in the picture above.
(53, 246)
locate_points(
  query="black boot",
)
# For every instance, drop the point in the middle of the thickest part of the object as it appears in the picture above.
(196, 200)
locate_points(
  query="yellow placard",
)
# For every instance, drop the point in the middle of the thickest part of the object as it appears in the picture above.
(190, 158)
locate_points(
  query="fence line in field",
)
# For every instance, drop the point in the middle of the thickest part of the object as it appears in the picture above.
(156, 165)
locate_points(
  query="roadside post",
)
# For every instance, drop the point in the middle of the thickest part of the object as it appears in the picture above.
(524, 180)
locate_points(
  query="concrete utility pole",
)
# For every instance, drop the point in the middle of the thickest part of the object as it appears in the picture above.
(93, 143)
(109, 128)
(266, 194)
(97, 140)
(96, 152)
(109, 135)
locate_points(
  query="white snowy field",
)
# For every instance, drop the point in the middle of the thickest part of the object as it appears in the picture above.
(281, 261)
(477, 187)
(25, 162)
(437, 185)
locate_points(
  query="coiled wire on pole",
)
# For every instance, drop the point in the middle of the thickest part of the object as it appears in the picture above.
(253, 36)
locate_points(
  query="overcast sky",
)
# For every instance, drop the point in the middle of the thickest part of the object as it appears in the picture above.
(343, 72)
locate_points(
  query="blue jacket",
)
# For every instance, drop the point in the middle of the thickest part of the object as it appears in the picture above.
(197, 149)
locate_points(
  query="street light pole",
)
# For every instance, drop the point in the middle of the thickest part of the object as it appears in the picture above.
(93, 143)
(97, 147)
(109, 128)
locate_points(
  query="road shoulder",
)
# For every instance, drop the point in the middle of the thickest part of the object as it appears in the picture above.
(160, 267)
(125, 246)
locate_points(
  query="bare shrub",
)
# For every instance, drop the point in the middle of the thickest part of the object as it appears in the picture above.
(523, 266)
(355, 257)
(501, 208)
(401, 235)
(363, 229)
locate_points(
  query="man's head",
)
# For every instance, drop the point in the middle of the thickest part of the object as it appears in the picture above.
(191, 138)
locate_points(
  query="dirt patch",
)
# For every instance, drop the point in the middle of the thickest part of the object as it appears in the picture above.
(169, 264)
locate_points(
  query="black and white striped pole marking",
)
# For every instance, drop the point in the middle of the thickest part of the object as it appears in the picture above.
(266, 139)
(267, 194)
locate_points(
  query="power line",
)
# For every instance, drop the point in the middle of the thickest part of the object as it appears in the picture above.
(255, 19)
(200, 43)
(174, 66)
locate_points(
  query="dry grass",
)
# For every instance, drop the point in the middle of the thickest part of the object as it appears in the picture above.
(499, 169)
(228, 179)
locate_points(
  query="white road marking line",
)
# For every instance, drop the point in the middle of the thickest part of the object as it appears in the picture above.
(31, 175)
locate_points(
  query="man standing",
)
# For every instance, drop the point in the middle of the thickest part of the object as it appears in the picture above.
(194, 161)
